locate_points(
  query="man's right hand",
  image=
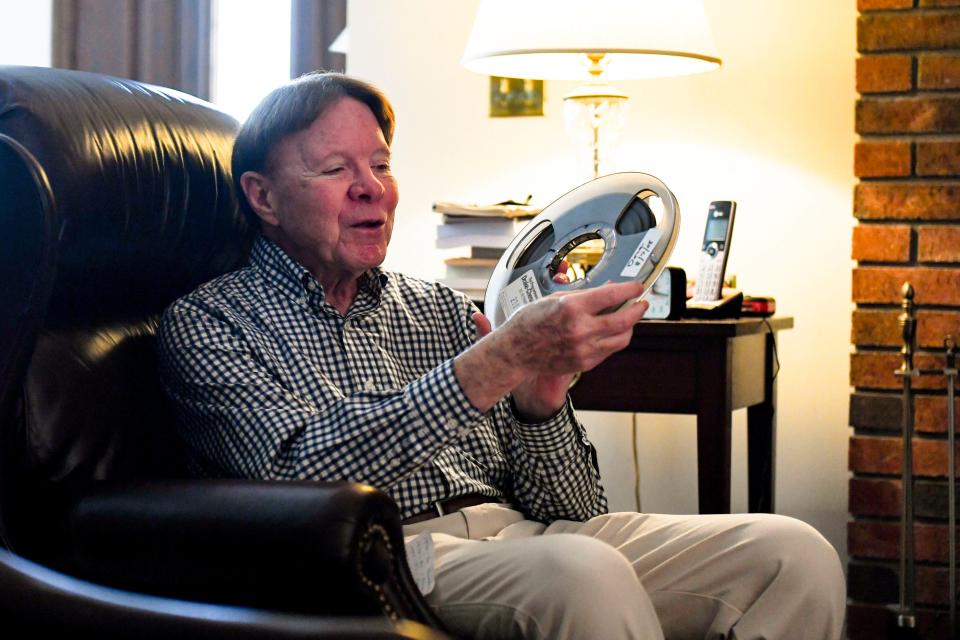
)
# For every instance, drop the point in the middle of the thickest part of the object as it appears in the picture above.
(559, 335)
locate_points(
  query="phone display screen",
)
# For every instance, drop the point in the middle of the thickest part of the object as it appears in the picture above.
(716, 230)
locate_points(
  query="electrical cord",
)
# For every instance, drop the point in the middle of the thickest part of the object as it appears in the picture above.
(776, 357)
(636, 462)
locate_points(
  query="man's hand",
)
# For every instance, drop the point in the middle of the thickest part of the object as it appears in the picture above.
(536, 352)
(569, 332)
(538, 398)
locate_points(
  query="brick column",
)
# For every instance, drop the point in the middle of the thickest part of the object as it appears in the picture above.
(907, 205)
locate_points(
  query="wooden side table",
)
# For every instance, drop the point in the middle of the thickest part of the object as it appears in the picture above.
(707, 368)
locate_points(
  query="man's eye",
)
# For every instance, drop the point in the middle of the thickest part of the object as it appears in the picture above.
(382, 167)
(332, 171)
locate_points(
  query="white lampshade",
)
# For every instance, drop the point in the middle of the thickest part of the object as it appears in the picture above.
(547, 39)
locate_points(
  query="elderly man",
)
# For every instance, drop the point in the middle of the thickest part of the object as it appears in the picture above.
(313, 363)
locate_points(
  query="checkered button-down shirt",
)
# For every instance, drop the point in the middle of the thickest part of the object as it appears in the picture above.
(269, 381)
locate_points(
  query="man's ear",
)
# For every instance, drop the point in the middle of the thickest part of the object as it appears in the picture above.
(256, 187)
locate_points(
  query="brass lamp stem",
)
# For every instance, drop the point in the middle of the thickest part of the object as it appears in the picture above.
(596, 64)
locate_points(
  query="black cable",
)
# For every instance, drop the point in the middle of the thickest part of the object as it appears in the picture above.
(636, 463)
(776, 357)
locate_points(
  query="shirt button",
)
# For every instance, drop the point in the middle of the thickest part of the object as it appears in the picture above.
(369, 385)
(450, 423)
(311, 286)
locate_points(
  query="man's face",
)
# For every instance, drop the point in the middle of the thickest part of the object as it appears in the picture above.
(331, 195)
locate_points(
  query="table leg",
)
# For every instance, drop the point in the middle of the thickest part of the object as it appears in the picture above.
(713, 431)
(713, 462)
(762, 441)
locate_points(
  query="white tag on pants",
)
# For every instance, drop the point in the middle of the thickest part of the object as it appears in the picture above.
(420, 557)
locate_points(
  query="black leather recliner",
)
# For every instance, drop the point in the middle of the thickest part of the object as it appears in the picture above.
(115, 199)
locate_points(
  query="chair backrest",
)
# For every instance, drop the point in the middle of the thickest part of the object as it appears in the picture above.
(115, 199)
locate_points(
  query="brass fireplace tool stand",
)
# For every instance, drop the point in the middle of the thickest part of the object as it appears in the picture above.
(906, 614)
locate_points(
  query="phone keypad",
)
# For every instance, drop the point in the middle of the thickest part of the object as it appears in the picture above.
(710, 280)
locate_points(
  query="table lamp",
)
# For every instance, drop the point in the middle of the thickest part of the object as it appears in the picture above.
(596, 42)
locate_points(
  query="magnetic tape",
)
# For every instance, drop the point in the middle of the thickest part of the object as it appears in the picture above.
(616, 209)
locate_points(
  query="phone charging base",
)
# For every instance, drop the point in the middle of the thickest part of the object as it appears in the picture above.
(728, 308)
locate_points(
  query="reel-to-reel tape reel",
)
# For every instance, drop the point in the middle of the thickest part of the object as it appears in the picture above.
(615, 209)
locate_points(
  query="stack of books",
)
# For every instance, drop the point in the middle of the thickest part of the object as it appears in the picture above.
(483, 232)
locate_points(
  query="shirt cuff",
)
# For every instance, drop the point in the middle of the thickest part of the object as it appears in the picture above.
(557, 434)
(440, 400)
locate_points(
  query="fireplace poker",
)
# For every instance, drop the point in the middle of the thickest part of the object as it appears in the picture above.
(906, 617)
(950, 371)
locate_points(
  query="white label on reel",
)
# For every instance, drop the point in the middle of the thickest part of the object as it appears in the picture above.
(642, 253)
(520, 292)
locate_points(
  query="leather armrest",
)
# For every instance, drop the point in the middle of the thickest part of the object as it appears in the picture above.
(51, 604)
(291, 546)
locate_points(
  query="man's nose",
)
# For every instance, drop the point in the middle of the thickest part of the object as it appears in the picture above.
(367, 187)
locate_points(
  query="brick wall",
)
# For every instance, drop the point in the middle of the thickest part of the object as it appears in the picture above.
(907, 206)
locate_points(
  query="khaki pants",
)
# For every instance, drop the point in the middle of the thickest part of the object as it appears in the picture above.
(629, 575)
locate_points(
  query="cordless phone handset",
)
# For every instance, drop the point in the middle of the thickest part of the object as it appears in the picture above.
(714, 252)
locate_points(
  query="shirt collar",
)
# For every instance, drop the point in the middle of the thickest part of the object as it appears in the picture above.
(294, 280)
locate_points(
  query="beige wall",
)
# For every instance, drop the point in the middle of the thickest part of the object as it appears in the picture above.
(773, 129)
